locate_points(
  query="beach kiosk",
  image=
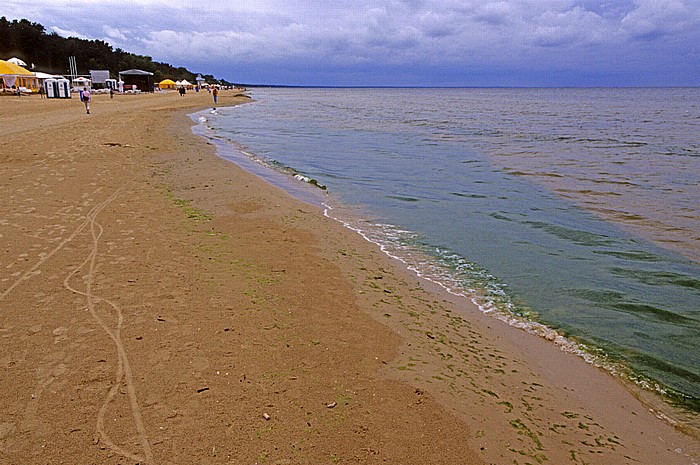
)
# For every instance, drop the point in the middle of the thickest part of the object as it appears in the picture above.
(57, 88)
(138, 78)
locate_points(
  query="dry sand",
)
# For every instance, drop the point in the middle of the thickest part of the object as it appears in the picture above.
(159, 305)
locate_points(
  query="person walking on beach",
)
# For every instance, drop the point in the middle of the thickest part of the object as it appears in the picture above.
(86, 99)
(215, 94)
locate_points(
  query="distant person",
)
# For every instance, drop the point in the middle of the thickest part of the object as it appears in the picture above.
(215, 94)
(111, 92)
(86, 99)
(41, 91)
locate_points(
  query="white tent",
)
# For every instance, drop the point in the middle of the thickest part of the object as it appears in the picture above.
(41, 75)
(18, 62)
(45, 77)
(80, 82)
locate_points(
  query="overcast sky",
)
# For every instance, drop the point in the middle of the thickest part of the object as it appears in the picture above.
(397, 42)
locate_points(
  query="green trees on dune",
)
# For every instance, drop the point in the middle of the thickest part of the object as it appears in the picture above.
(49, 52)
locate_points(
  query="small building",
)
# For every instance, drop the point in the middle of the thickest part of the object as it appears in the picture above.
(143, 80)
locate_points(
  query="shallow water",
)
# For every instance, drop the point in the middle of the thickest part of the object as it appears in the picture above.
(574, 208)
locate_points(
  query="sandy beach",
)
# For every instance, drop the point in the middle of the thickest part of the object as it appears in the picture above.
(159, 305)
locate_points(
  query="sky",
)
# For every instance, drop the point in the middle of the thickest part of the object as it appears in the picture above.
(521, 43)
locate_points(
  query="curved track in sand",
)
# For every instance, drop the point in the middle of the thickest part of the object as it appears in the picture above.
(123, 375)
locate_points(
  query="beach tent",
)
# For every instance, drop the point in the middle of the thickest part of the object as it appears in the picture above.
(14, 75)
(17, 62)
(184, 83)
(80, 83)
(42, 77)
(167, 84)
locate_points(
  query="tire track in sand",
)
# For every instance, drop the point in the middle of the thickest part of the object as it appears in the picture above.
(123, 375)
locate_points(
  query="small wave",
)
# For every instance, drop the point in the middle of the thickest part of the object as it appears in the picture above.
(682, 152)
(402, 198)
(654, 313)
(577, 236)
(468, 196)
(595, 143)
(656, 278)
(308, 180)
(638, 255)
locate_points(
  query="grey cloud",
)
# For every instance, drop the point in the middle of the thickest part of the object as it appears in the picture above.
(458, 37)
(495, 13)
(652, 19)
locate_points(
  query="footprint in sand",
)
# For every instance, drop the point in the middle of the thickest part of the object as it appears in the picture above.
(60, 333)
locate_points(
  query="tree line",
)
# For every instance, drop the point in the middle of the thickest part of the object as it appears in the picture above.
(49, 52)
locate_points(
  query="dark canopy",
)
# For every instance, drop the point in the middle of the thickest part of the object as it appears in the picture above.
(143, 80)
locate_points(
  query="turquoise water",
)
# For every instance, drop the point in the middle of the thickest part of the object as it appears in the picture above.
(573, 209)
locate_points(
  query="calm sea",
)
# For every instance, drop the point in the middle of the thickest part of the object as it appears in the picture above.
(563, 211)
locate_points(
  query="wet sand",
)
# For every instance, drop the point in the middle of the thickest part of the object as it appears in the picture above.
(160, 305)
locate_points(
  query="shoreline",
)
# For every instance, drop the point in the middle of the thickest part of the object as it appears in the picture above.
(655, 405)
(253, 327)
(668, 403)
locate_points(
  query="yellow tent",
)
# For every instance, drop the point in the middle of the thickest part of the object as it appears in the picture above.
(167, 84)
(15, 75)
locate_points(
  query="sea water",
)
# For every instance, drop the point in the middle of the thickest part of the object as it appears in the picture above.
(572, 213)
